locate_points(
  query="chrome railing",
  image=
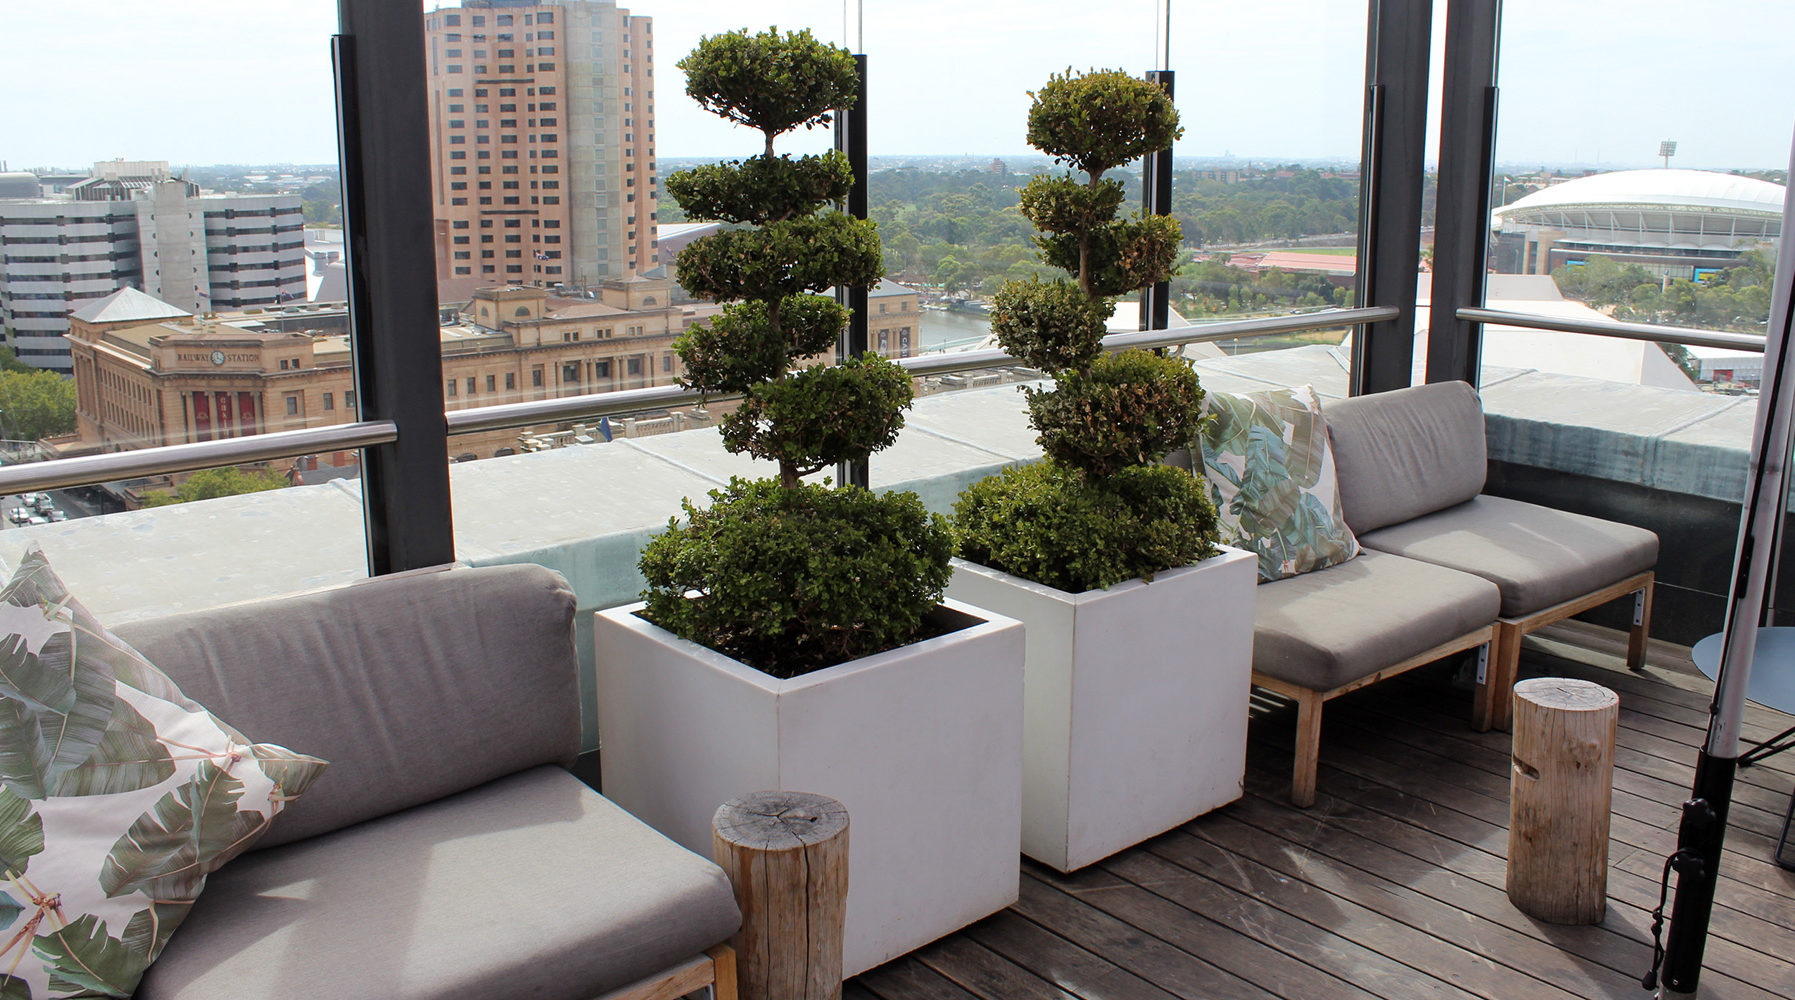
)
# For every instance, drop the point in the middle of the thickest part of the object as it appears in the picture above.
(121, 465)
(1626, 331)
(60, 473)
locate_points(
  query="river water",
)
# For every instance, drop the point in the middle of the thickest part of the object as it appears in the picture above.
(942, 330)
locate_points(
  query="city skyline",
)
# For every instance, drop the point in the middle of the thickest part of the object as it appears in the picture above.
(1259, 81)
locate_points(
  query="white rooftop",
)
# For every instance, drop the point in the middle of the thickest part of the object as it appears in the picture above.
(125, 305)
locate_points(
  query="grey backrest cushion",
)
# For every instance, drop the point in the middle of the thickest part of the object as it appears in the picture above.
(1406, 452)
(413, 686)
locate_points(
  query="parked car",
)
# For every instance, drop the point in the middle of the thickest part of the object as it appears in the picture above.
(37, 519)
(17, 515)
(55, 514)
(43, 502)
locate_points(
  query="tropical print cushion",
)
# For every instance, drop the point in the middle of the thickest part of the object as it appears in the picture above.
(1271, 475)
(118, 796)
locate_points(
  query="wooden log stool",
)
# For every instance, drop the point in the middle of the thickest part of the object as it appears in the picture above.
(786, 854)
(1561, 788)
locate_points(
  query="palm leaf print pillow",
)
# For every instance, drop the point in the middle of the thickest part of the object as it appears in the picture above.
(118, 796)
(1271, 475)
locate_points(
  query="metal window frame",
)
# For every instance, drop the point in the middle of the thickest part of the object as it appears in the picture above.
(1392, 176)
(383, 131)
(1462, 203)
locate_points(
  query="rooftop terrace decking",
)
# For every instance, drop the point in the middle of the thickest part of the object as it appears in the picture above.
(1392, 885)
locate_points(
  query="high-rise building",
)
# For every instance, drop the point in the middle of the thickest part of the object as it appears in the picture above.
(541, 143)
(133, 224)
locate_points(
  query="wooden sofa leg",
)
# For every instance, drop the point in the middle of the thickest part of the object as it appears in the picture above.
(1642, 625)
(1503, 674)
(1483, 698)
(1308, 749)
(723, 966)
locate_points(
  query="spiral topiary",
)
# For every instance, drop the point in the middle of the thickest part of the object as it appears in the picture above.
(785, 576)
(1108, 419)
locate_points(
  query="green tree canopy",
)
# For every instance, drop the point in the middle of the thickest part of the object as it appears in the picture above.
(35, 404)
(209, 484)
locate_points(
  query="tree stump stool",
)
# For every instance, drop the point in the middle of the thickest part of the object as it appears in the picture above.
(1561, 788)
(786, 854)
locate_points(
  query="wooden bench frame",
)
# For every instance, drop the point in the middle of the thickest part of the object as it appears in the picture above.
(1309, 701)
(714, 969)
(1499, 712)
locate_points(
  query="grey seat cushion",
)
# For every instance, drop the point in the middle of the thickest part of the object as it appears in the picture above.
(1538, 556)
(1407, 452)
(531, 886)
(413, 686)
(1336, 625)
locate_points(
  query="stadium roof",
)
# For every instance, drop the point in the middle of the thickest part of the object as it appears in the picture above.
(1684, 190)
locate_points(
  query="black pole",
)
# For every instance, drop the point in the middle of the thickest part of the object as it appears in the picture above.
(383, 129)
(1703, 831)
(1394, 169)
(850, 139)
(1156, 199)
(1462, 204)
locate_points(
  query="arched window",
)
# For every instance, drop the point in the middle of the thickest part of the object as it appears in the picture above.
(522, 311)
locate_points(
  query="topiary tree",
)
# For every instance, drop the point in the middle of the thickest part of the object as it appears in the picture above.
(785, 576)
(1109, 418)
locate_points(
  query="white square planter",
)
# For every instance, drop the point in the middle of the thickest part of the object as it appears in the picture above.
(922, 744)
(1136, 717)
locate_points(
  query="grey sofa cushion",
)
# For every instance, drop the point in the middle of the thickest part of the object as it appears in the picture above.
(1336, 625)
(1538, 556)
(413, 686)
(1407, 452)
(531, 886)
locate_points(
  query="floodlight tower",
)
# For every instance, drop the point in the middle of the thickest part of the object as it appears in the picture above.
(1667, 149)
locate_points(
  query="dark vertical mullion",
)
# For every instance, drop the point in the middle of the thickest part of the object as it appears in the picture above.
(1156, 199)
(383, 129)
(1462, 205)
(850, 138)
(1390, 192)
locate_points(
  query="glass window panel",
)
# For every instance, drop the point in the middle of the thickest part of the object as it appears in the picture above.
(198, 282)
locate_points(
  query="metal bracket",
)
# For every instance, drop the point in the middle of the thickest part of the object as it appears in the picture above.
(1639, 607)
(1483, 663)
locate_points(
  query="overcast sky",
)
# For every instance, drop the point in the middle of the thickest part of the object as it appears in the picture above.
(1592, 81)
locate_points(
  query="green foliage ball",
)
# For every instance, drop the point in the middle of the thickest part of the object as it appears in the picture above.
(1125, 254)
(762, 188)
(769, 81)
(1101, 119)
(794, 580)
(823, 414)
(1050, 325)
(1057, 526)
(1127, 409)
(741, 347)
(1059, 204)
(804, 254)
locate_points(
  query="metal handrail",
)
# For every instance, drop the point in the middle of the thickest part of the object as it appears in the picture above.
(64, 472)
(1750, 342)
(610, 404)
(113, 466)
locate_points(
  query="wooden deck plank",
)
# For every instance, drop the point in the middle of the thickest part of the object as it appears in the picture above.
(1392, 887)
(907, 979)
(1327, 949)
(1472, 847)
(1059, 961)
(1191, 931)
(978, 969)
(1366, 750)
(1473, 881)
(1119, 942)
(1654, 799)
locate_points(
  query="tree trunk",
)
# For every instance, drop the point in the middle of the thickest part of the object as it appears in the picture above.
(786, 854)
(1560, 792)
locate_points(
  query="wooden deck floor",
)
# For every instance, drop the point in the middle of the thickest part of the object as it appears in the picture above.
(1392, 885)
